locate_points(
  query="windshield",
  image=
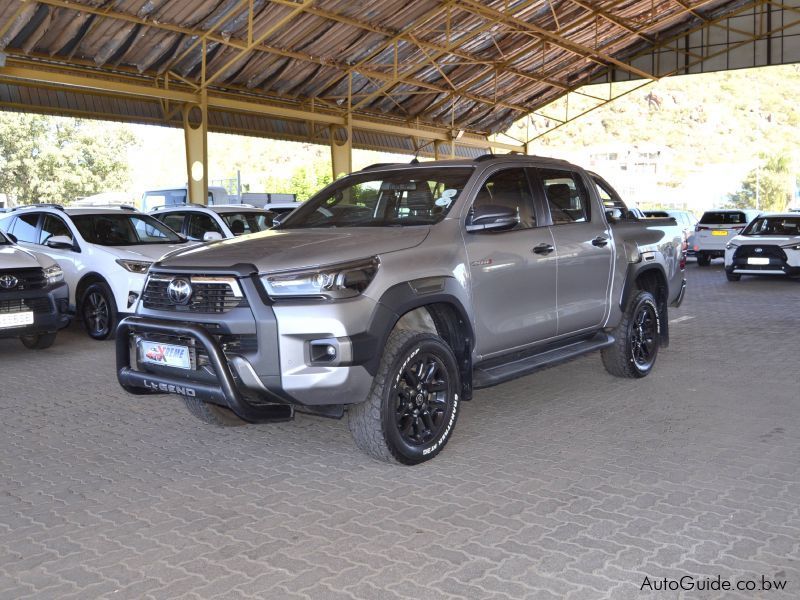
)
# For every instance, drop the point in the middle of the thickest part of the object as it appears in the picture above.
(786, 226)
(415, 196)
(241, 223)
(723, 218)
(124, 230)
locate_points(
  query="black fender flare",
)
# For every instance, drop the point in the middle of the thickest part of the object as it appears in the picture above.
(405, 297)
(635, 270)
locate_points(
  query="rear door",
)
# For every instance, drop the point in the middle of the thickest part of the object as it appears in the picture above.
(513, 272)
(585, 249)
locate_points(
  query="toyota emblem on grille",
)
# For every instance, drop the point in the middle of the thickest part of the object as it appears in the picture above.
(759, 250)
(179, 291)
(8, 281)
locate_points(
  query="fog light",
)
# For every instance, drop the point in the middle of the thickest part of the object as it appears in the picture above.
(132, 298)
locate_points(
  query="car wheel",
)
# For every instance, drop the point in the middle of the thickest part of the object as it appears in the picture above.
(732, 276)
(212, 413)
(99, 311)
(635, 348)
(413, 405)
(703, 259)
(40, 341)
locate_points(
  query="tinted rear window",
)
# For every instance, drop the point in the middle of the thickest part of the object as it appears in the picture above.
(723, 218)
(656, 214)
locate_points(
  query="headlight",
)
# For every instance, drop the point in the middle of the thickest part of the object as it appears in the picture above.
(134, 266)
(54, 274)
(333, 281)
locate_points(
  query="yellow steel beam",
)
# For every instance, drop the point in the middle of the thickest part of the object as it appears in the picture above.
(553, 38)
(230, 102)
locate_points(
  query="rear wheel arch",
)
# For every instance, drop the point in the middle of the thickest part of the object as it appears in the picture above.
(653, 279)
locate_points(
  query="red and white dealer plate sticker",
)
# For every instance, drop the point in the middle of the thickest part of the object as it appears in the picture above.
(166, 355)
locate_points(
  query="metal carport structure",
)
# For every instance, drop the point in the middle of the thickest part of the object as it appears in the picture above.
(429, 77)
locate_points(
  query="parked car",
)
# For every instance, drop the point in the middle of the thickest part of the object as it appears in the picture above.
(769, 245)
(397, 290)
(33, 296)
(684, 218)
(178, 196)
(201, 223)
(715, 228)
(104, 253)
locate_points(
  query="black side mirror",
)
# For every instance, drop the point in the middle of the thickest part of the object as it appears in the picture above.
(276, 220)
(492, 217)
(12, 237)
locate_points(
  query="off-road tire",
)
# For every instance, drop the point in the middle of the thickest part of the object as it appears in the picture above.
(703, 259)
(40, 341)
(618, 358)
(374, 422)
(99, 290)
(212, 414)
(732, 276)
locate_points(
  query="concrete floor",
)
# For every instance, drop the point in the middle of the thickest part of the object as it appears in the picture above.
(565, 484)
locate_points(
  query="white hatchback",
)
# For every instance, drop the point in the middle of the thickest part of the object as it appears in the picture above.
(104, 253)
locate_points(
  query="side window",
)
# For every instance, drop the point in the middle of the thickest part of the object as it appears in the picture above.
(25, 228)
(172, 220)
(566, 196)
(200, 224)
(509, 188)
(51, 227)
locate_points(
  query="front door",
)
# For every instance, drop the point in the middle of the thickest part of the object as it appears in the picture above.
(513, 272)
(585, 250)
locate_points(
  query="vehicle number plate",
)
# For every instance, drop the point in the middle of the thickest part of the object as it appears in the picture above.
(18, 319)
(166, 355)
(756, 260)
(720, 232)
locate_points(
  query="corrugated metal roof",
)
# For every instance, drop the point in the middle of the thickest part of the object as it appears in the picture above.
(461, 64)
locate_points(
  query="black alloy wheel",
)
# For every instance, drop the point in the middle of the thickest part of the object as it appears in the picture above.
(644, 332)
(421, 402)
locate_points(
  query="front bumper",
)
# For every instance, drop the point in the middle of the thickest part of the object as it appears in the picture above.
(739, 267)
(50, 314)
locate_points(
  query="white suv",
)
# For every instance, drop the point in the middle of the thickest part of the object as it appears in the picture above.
(715, 228)
(770, 245)
(104, 253)
(208, 223)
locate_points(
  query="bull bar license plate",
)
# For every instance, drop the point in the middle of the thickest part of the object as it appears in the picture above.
(17, 319)
(165, 355)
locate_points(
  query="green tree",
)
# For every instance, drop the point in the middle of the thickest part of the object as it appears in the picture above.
(57, 159)
(771, 186)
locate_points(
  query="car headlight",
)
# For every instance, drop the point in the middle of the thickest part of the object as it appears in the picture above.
(53, 274)
(134, 266)
(343, 280)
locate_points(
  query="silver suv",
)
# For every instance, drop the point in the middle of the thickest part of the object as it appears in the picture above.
(395, 291)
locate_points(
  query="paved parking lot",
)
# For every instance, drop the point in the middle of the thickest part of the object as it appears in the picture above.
(565, 484)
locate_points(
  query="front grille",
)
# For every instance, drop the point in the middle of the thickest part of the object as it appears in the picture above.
(36, 305)
(209, 294)
(771, 252)
(27, 279)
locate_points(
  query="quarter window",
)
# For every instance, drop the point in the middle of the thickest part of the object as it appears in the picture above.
(566, 197)
(25, 228)
(509, 188)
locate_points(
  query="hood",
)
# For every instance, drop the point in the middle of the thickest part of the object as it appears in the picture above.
(277, 250)
(14, 257)
(766, 240)
(145, 252)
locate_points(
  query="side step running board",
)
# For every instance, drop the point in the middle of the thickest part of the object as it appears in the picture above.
(483, 377)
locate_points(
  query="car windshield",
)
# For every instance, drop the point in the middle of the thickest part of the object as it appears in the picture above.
(786, 226)
(241, 223)
(723, 218)
(414, 196)
(124, 230)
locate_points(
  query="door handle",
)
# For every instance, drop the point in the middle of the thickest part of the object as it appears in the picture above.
(600, 241)
(543, 249)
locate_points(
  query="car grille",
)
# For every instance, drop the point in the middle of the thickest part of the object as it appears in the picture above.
(209, 294)
(27, 279)
(36, 305)
(771, 252)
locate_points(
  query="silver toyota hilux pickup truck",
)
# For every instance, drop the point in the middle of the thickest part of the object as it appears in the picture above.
(395, 291)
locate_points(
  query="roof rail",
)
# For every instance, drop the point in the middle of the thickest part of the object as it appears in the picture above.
(378, 166)
(128, 207)
(39, 205)
(484, 157)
